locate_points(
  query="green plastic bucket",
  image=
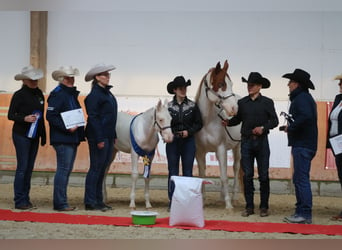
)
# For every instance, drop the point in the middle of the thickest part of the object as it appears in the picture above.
(144, 217)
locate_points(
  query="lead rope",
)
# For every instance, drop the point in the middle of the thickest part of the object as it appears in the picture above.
(225, 127)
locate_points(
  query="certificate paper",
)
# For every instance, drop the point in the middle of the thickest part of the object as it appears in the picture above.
(73, 118)
(336, 144)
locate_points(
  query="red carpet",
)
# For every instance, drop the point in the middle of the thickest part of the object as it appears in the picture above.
(231, 226)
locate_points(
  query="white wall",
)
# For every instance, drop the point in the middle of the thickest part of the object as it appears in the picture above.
(150, 48)
(15, 47)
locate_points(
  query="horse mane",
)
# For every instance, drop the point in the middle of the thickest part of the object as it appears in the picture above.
(198, 93)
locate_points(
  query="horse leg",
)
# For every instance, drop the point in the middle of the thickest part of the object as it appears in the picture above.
(221, 155)
(238, 182)
(104, 188)
(147, 191)
(134, 175)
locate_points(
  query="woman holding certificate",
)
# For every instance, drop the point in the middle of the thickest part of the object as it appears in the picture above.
(335, 129)
(102, 111)
(26, 110)
(63, 138)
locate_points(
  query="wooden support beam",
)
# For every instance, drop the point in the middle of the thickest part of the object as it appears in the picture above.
(38, 43)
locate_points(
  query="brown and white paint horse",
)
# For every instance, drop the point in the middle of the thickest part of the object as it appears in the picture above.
(216, 100)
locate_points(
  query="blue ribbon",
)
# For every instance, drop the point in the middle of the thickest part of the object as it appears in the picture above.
(141, 152)
(32, 132)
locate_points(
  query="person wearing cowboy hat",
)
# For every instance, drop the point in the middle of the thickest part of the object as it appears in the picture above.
(302, 134)
(335, 129)
(102, 110)
(186, 121)
(27, 111)
(258, 117)
(64, 140)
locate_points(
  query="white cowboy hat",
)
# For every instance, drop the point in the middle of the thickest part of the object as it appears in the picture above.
(97, 69)
(64, 71)
(338, 77)
(29, 72)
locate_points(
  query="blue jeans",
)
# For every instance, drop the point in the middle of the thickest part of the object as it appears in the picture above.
(255, 149)
(66, 154)
(185, 150)
(301, 179)
(99, 160)
(26, 152)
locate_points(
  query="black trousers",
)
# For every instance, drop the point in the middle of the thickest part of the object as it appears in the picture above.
(255, 148)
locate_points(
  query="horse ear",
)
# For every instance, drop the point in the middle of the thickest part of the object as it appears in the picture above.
(159, 104)
(165, 102)
(218, 68)
(225, 66)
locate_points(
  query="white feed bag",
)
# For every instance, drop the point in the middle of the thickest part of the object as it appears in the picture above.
(187, 202)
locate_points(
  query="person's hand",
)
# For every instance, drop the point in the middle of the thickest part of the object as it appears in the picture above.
(101, 145)
(283, 128)
(182, 134)
(72, 130)
(30, 118)
(185, 133)
(258, 130)
(225, 122)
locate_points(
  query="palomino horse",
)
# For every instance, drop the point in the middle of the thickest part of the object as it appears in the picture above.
(138, 135)
(215, 99)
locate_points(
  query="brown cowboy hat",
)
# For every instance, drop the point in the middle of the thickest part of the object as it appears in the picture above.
(256, 77)
(302, 77)
(179, 81)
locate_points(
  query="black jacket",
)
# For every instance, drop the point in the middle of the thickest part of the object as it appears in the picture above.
(102, 110)
(24, 102)
(255, 113)
(185, 116)
(62, 99)
(303, 132)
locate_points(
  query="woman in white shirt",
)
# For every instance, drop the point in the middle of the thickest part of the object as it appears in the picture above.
(335, 128)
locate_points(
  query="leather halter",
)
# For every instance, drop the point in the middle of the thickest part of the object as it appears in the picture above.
(218, 104)
(156, 123)
(214, 93)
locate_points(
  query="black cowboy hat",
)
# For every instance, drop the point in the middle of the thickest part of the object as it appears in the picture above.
(302, 77)
(256, 77)
(179, 81)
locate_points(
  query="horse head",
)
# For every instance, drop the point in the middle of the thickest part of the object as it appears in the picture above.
(162, 119)
(219, 89)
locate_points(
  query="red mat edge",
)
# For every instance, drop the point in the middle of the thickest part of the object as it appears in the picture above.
(219, 225)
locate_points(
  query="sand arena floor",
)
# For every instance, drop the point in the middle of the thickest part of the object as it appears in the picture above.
(41, 196)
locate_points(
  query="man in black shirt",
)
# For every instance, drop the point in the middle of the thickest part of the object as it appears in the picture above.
(258, 116)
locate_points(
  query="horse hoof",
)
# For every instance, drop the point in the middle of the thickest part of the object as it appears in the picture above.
(230, 211)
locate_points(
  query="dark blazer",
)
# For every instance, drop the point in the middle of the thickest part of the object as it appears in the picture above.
(303, 132)
(338, 99)
(63, 99)
(102, 110)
